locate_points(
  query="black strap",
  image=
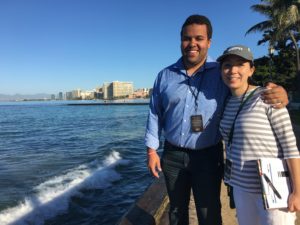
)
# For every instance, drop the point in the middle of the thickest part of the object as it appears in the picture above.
(237, 113)
(201, 77)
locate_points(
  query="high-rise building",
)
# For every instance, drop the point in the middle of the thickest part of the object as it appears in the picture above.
(73, 95)
(69, 95)
(122, 89)
(60, 96)
(52, 97)
(99, 92)
(117, 89)
(76, 94)
(107, 90)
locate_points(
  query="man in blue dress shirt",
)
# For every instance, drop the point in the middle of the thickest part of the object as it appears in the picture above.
(186, 106)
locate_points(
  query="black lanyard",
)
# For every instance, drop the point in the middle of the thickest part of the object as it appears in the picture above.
(195, 92)
(237, 113)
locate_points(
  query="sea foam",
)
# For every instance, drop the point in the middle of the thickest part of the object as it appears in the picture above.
(53, 196)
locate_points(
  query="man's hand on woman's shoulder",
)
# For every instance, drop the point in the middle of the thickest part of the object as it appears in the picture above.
(275, 95)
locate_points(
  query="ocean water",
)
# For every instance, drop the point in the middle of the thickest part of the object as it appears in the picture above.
(70, 165)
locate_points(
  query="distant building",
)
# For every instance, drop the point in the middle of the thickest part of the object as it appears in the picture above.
(107, 90)
(99, 89)
(69, 95)
(122, 89)
(73, 95)
(141, 93)
(60, 96)
(76, 94)
(117, 89)
(87, 95)
(99, 93)
(52, 97)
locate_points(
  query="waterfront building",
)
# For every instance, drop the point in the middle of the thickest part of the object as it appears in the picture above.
(107, 90)
(117, 89)
(99, 89)
(73, 95)
(60, 96)
(141, 93)
(76, 94)
(87, 95)
(69, 95)
(99, 93)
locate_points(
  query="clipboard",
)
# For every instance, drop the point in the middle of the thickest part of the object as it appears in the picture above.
(275, 182)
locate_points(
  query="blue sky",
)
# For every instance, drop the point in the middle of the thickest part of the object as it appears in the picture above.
(48, 46)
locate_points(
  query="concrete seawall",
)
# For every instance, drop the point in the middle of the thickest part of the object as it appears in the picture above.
(150, 208)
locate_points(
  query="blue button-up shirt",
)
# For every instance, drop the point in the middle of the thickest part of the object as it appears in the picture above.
(173, 103)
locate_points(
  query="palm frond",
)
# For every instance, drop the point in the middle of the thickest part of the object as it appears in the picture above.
(265, 25)
(265, 10)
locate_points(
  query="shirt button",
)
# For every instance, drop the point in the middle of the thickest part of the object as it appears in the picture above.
(187, 106)
(182, 134)
(184, 120)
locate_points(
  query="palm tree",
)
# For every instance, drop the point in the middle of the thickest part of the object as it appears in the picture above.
(282, 24)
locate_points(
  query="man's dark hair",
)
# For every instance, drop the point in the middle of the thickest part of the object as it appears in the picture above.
(198, 19)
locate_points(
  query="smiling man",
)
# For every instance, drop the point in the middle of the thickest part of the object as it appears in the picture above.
(186, 105)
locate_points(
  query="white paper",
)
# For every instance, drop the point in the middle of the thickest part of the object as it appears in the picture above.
(276, 170)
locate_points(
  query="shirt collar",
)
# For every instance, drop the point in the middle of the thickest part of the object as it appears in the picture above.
(209, 64)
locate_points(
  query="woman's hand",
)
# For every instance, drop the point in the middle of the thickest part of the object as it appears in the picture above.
(294, 198)
(294, 202)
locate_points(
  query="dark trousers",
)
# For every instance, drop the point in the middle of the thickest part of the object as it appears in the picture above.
(197, 170)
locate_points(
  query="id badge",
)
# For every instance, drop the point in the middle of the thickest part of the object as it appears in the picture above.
(227, 171)
(197, 123)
